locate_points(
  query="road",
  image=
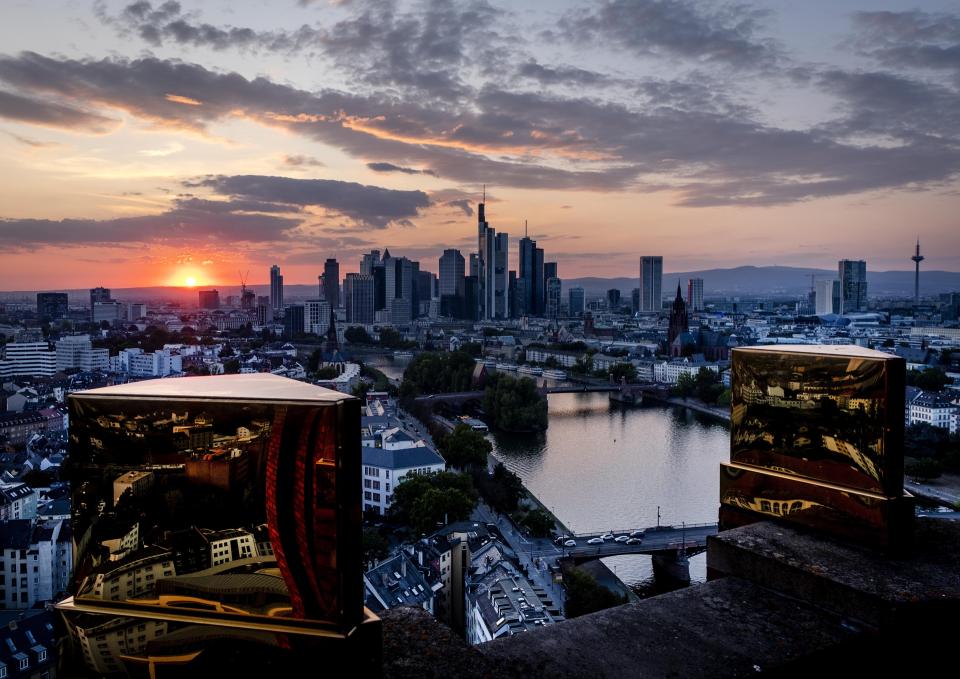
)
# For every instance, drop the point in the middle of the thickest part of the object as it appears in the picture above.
(537, 554)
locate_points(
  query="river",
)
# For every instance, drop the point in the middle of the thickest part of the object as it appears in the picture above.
(602, 466)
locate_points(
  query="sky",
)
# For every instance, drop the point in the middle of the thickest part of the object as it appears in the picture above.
(146, 143)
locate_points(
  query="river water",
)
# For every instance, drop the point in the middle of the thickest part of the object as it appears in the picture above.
(604, 466)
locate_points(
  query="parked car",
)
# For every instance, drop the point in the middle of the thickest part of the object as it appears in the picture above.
(595, 541)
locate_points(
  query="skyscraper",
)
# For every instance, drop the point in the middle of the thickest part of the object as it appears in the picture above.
(316, 316)
(401, 289)
(331, 282)
(358, 298)
(695, 294)
(527, 284)
(276, 290)
(540, 293)
(52, 305)
(576, 301)
(613, 299)
(853, 285)
(369, 261)
(452, 283)
(553, 286)
(209, 299)
(501, 252)
(824, 297)
(651, 278)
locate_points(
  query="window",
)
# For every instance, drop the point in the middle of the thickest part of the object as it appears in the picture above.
(366, 495)
(367, 483)
(376, 497)
(24, 663)
(388, 473)
(376, 485)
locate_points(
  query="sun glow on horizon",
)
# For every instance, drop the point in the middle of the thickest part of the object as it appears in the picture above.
(190, 282)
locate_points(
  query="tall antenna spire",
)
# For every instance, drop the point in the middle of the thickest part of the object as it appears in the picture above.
(525, 234)
(485, 194)
(917, 258)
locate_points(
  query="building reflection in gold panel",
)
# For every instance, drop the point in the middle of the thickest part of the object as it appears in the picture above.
(816, 438)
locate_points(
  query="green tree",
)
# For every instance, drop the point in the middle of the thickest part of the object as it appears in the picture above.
(931, 379)
(375, 546)
(328, 372)
(583, 365)
(586, 595)
(423, 501)
(515, 404)
(685, 386)
(464, 447)
(539, 523)
(501, 490)
(925, 468)
(356, 334)
(436, 373)
(231, 367)
(623, 371)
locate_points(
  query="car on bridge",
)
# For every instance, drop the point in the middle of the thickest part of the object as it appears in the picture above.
(595, 541)
(607, 536)
(636, 534)
(621, 538)
(570, 543)
(634, 541)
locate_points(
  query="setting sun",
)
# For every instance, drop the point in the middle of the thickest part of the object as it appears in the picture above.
(191, 282)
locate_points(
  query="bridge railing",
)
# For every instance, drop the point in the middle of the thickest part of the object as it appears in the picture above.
(649, 529)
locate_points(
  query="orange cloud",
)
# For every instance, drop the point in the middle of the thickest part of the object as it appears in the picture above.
(177, 99)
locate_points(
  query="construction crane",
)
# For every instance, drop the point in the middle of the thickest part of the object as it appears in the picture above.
(247, 297)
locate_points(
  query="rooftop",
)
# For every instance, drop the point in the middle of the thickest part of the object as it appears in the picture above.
(256, 386)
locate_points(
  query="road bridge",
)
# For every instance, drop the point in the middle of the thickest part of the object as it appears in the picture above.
(690, 539)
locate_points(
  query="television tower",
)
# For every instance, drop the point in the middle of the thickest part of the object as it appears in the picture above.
(917, 258)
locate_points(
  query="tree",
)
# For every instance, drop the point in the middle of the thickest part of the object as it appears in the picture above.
(231, 367)
(515, 404)
(583, 365)
(313, 363)
(685, 386)
(501, 490)
(227, 351)
(425, 500)
(356, 334)
(931, 379)
(623, 371)
(464, 447)
(586, 595)
(539, 523)
(925, 468)
(375, 546)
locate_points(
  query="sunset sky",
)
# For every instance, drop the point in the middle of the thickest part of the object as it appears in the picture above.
(144, 143)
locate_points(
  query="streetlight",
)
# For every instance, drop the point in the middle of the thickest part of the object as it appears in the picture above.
(658, 516)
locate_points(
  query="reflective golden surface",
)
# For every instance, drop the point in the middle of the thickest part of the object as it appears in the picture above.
(816, 439)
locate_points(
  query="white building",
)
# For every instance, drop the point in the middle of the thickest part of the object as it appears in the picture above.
(76, 351)
(139, 364)
(316, 316)
(111, 312)
(668, 372)
(230, 545)
(502, 603)
(36, 560)
(932, 409)
(17, 501)
(384, 468)
(28, 359)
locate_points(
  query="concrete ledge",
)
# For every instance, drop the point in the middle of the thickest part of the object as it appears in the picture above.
(860, 584)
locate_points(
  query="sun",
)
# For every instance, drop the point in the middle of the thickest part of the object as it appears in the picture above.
(191, 282)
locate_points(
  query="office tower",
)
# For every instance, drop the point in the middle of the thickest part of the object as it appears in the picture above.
(30, 359)
(651, 277)
(501, 252)
(540, 294)
(695, 294)
(824, 297)
(276, 290)
(474, 264)
(613, 299)
(400, 289)
(358, 298)
(369, 262)
(519, 295)
(111, 312)
(316, 316)
(379, 287)
(575, 296)
(836, 297)
(76, 351)
(98, 295)
(678, 317)
(471, 297)
(52, 305)
(917, 258)
(452, 283)
(527, 282)
(331, 282)
(293, 318)
(635, 300)
(853, 285)
(485, 258)
(209, 299)
(136, 311)
(552, 307)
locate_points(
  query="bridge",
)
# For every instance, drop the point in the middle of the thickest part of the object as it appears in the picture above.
(690, 539)
(625, 392)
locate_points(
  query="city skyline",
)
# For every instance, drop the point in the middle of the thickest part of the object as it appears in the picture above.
(176, 141)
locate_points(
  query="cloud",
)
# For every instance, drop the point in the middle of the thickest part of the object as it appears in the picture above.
(370, 206)
(301, 162)
(32, 143)
(913, 39)
(49, 114)
(560, 75)
(463, 205)
(225, 206)
(706, 32)
(390, 167)
(175, 226)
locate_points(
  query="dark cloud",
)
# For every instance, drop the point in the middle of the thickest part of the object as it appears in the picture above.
(462, 204)
(176, 226)
(370, 206)
(390, 167)
(708, 32)
(560, 75)
(38, 112)
(913, 39)
(302, 162)
(225, 206)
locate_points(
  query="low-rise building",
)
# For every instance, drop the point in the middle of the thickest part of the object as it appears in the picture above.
(28, 644)
(397, 582)
(384, 468)
(36, 560)
(931, 408)
(502, 603)
(232, 544)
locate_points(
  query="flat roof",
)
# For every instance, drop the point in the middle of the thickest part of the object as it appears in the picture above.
(840, 350)
(259, 386)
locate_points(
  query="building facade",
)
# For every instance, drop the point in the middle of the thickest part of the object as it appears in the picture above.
(695, 294)
(651, 281)
(853, 286)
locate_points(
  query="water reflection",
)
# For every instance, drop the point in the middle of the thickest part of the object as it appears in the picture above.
(602, 466)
